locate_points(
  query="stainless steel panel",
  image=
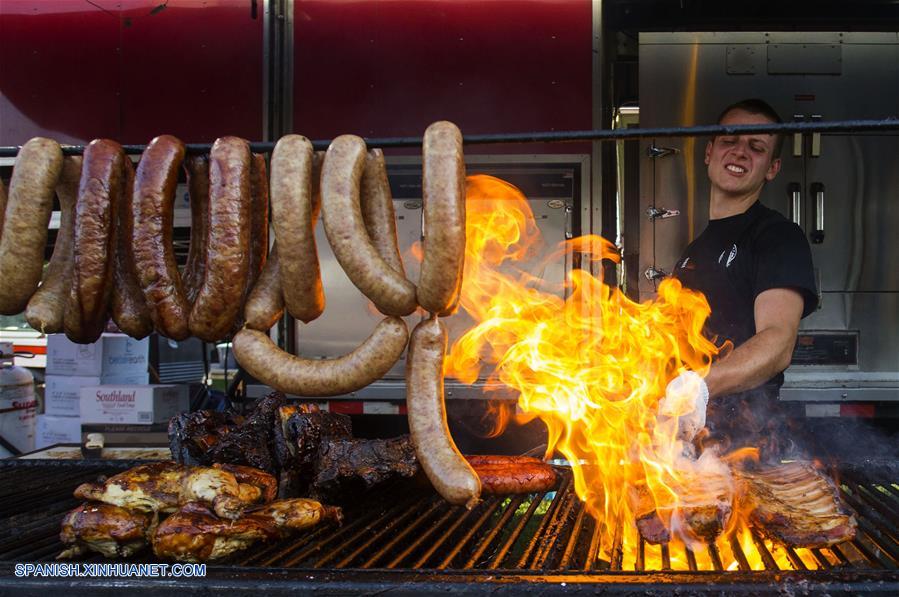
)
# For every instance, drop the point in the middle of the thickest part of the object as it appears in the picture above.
(684, 80)
(554, 185)
(805, 59)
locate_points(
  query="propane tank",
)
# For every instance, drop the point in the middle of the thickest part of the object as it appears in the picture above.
(18, 406)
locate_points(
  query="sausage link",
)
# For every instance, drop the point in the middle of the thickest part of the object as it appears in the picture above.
(447, 469)
(377, 210)
(4, 197)
(27, 214)
(287, 373)
(197, 169)
(129, 309)
(220, 298)
(293, 216)
(389, 290)
(258, 218)
(503, 475)
(47, 306)
(265, 305)
(443, 193)
(154, 257)
(103, 181)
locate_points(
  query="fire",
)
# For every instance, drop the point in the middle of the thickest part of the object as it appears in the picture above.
(592, 364)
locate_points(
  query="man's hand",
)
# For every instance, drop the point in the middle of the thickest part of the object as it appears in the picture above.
(686, 398)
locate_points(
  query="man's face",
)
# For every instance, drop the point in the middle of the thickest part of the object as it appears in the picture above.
(740, 165)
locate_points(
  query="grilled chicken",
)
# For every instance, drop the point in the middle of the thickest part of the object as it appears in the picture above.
(249, 478)
(106, 529)
(164, 486)
(196, 534)
(795, 504)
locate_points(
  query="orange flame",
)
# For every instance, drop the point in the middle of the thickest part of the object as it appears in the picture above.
(587, 360)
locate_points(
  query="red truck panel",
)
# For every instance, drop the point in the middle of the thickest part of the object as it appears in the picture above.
(392, 68)
(76, 71)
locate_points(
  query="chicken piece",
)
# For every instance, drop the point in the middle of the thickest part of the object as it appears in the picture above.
(796, 504)
(195, 534)
(253, 477)
(106, 529)
(164, 486)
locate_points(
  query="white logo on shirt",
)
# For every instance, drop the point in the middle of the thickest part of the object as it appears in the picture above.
(684, 263)
(730, 258)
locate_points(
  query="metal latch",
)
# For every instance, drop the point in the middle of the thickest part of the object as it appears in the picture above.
(661, 213)
(816, 138)
(652, 274)
(655, 151)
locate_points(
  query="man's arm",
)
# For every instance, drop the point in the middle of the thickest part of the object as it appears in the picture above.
(777, 315)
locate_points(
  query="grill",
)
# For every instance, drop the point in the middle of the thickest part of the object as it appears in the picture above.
(404, 538)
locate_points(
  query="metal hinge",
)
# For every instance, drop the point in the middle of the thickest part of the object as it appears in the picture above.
(655, 151)
(661, 213)
(652, 274)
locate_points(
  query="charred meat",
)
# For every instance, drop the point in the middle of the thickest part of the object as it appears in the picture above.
(192, 435)
(298, 432)
(796, 504)
(251, 443)
(348, 464)
(110, 530)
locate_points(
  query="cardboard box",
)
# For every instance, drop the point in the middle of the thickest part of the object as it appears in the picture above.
(62, 393)
(133, 404)
(113, 356)
(56, 430)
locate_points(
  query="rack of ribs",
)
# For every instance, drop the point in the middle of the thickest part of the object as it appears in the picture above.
(796, 504)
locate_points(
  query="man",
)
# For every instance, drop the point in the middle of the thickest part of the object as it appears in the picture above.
(754, 266)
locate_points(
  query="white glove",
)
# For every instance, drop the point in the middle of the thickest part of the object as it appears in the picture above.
(686, 397)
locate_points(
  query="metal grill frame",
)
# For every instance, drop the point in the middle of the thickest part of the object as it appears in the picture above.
(411, 541)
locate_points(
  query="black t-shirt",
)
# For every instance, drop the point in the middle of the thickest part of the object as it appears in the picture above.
(737, 258)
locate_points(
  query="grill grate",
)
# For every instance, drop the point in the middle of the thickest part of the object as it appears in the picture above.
(406, 526)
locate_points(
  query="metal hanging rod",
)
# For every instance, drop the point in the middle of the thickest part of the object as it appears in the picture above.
(836, 126)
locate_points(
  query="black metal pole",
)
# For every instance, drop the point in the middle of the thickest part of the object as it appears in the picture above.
(836, 126)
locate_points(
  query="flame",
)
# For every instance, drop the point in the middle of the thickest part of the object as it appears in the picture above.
(592, 364)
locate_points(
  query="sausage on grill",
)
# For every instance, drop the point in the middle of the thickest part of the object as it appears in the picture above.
(389, 290)
(221, 295)
(47, 306)
(287, 373)
(443, 193)
(502, 475)
(27, 214)
(447, 469)
(154, 257)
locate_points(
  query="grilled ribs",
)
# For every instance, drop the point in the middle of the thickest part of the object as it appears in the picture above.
(106, 529)
(298, 433)
(796, 504)
(191, 435)
(348, 464)
(164, 486)
(196, 534)
(251, 443)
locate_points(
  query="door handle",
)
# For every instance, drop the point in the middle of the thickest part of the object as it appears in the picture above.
(816, 138)
(817, 191)
(795, 191)
(797, 137)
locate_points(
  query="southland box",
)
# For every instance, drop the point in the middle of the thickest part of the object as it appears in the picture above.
(132, 403)
(62, 393)
(113, 356)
